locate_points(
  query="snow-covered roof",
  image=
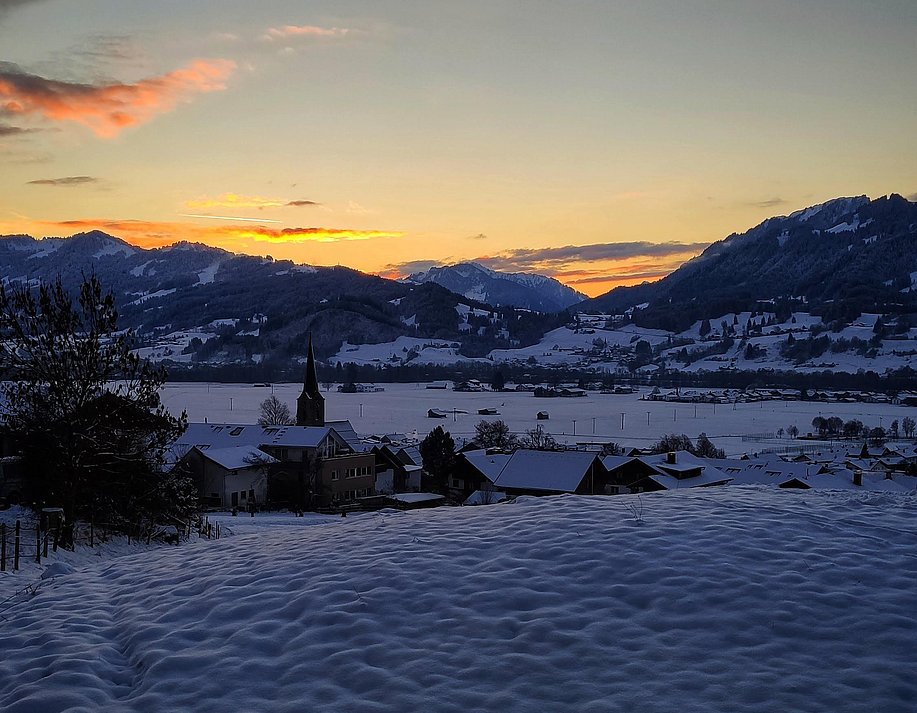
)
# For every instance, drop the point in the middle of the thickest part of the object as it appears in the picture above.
(208, 436)
(488, 465)
(346, 431)
(237, 457)
(555, 471)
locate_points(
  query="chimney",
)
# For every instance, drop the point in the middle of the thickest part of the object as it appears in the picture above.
(858, 477)
(670, 458)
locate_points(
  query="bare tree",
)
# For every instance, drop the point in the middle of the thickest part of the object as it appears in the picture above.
(275, 412)
(538, 439)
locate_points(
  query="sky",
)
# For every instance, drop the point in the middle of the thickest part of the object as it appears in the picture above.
(597, 141)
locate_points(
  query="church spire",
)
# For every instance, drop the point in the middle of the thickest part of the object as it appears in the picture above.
(310, 384)
(310, 406)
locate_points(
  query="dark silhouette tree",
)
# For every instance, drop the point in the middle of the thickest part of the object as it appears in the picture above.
(438, 453)
(494, 434)
(84, 410)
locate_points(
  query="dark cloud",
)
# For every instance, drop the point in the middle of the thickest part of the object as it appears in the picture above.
(6, 5)
(7, 130)
(302, 203)
(547, 258)
(769, 203)
(567, 262)
(479, 236)
(66, 181)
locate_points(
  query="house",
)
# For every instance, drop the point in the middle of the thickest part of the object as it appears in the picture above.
(312, 466)
(530, 472)
(397, 471)
(677, 470)
(231, 477)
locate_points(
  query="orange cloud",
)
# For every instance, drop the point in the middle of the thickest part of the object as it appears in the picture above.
(151, 234)
(319, 235)
(107, 109)
(286, 31)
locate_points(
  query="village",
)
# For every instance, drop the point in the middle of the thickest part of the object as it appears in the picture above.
(326, 466)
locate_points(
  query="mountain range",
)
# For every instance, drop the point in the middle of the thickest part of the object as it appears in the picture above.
(838, 259)
(517, 289)
(190, 303)
(225, 307)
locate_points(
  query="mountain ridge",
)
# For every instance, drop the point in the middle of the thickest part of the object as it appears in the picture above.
(532, 291)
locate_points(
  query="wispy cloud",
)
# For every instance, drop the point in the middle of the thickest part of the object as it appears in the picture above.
(769, 202)
(479, 236)
(245, 202)
(8, 130)
(66, 181)
(107, 108)
(285, 32)
(235, 200)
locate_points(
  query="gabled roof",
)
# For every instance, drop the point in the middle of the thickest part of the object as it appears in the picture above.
(553, 471)
(237, 457)
(346, 431)
(489, 466)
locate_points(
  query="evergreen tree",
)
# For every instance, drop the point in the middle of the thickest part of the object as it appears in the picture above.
(438, 453)
(84, 410)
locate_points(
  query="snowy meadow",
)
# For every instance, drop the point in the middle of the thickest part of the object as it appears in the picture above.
(738, 600)
(625, 419)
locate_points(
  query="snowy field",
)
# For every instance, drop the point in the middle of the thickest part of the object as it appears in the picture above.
(402, 408)
(735, 600)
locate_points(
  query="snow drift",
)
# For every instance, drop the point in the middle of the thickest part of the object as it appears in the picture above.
(738, 600)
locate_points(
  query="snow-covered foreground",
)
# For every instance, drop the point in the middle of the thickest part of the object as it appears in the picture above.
(733, 600)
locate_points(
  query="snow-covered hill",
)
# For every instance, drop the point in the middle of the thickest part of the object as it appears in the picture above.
(734, 600)
(517, 289)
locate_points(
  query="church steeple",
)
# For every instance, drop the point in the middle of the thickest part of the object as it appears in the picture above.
(310, 406)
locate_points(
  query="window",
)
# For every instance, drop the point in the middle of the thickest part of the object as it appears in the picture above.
(334, 475)
(236, 431)
(242, 495)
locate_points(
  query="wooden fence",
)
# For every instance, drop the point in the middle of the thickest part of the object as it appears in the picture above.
(32, 542)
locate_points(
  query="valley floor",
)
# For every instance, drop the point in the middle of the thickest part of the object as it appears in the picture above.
(727, 600)
(402, 408)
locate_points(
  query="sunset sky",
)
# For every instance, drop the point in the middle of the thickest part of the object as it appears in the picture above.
(598, 141)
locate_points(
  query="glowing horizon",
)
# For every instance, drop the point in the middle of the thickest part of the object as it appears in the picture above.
(600, 143)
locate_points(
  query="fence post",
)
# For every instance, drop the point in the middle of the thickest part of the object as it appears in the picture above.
(38, 544)
(3, 547)
(47, 533)
(16, 549)
(92, 532)
(56, 536)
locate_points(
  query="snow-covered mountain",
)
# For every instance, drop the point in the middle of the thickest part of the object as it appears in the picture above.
(190, 302)
(839, 258)
(518, 289)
